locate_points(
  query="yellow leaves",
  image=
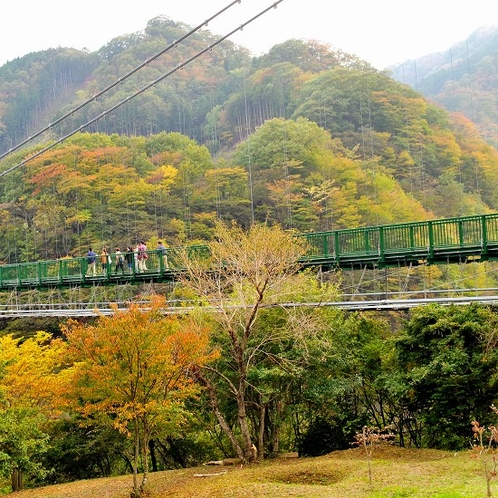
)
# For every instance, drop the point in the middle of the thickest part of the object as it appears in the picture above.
(226, 176)
(165, 176)
(252, 268)
(81, 216)
(405, 159)
(226, 184)
(32, 372)
(284, 190)
(259, 247)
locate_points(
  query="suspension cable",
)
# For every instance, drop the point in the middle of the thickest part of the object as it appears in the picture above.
(119, 80)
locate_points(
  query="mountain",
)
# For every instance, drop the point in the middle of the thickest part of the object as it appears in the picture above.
(305, 136)
(464, 79)
(40, 87)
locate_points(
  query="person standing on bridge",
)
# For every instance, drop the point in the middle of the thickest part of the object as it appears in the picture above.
(142, 256)
(104, 260)
(162, 256)
(119, 260)
(129, 257)
(91, 259)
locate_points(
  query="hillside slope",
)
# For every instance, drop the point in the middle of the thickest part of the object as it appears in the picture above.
(395, 472)
(305, 136)
(462, 79)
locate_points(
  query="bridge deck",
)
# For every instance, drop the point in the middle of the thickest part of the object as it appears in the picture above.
(451, 240)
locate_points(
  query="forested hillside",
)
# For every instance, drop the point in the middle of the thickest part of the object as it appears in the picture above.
(303, 138)
(462, 79)
(306, 136)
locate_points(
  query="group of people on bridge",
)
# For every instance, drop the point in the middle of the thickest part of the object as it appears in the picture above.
(133, 260)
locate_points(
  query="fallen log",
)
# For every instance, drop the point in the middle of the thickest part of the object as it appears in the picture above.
(225, 461)
(211, 475)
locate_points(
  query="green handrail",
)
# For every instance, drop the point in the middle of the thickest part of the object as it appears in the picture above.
(427, 242)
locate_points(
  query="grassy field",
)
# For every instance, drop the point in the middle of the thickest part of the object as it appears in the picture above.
(397, 473)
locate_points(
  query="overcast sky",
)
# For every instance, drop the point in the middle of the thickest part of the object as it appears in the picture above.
(382, 32)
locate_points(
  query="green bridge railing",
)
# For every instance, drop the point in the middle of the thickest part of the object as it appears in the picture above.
(450, 240)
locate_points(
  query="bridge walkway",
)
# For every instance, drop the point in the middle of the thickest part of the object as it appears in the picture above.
(442, 241)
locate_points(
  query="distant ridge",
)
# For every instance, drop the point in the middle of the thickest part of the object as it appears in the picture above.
(462, 79)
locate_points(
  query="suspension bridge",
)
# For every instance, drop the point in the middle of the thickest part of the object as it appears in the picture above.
(442, 241)
(461, 240)
(449, 241)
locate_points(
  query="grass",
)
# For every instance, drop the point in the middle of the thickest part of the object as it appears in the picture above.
(397, 473)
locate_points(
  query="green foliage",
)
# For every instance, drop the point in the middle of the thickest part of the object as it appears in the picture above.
(447, 373)
(309, 56)
(280, 142)
(188, 449)
(22, 443)
(461, 79)
(303, 179)
(30, 86)
(28, 327)
(321, 437)
(105, 190)
(343, 379)
(176, 104)
(79, 450)
(390, 156)
(306, 137)
(31, 382)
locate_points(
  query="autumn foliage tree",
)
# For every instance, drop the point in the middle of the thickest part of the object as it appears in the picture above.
(132, 371)
(244, 280)
(33, 378)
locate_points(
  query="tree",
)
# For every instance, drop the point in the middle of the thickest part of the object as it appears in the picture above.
(133, 372)
(446, 372)
(310, 56)
(22, 443)
(341, 389)
(32, 382)
(243, 280)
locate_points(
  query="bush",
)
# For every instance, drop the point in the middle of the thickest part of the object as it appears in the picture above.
(322, 436)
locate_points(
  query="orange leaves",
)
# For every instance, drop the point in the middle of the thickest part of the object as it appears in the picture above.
(48, 175)
(167, 157)
(190, 345)
(135, 363)
(132, 370)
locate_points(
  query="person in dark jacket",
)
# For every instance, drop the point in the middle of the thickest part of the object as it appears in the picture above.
(119, 260)
(129, 258)
(91, 259)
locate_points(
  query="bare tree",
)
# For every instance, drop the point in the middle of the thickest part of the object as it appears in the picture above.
(245, 273)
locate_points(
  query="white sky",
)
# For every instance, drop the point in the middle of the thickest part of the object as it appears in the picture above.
(383, 32)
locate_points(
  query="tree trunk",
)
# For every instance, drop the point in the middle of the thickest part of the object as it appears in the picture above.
(16, 479)
(152, 453)
(275, 433)
(261, 432)
(242, 415)
(213, 399)
(136, 457)
(145, 457)
(176, 453)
